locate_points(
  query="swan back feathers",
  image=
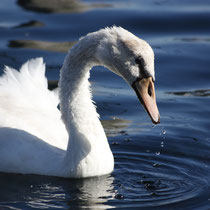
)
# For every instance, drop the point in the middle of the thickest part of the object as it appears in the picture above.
(27, 103)
(24, 84)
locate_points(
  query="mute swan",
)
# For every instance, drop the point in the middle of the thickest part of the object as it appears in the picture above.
(37, 138)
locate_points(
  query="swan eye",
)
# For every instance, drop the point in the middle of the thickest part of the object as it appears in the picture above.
(140, 62)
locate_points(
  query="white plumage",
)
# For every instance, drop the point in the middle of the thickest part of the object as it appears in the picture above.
(37, 138)
(27, 104)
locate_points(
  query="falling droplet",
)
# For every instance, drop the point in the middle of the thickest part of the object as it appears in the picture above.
(164, 132)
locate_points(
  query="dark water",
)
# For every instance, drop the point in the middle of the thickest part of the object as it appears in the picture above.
(165, 166)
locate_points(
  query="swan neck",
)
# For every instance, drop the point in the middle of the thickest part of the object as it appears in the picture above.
(87, 147)
(74, 87)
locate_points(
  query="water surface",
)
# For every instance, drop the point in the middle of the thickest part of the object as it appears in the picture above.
(165, 166)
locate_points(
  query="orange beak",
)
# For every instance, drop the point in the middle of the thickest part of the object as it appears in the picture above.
(145, 91)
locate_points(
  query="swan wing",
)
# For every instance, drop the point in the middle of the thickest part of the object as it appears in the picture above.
(21, 152)
(27, 104)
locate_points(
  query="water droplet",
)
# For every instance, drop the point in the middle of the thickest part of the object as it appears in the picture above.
(119, 185)
(127, 139)
(119, 196)
(154, 194)
(163, 132)
(148, 182)
(156, 165)
(158, 182)
(150, 186)
(115, 143)
(147, 150)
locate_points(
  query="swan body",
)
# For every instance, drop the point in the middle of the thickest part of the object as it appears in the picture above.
(37, 138)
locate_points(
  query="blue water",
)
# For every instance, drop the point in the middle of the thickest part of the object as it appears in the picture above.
(165, 166)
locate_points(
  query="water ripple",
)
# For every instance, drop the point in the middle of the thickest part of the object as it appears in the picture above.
(155, 180)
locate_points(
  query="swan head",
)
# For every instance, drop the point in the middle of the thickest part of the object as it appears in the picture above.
(133, 59)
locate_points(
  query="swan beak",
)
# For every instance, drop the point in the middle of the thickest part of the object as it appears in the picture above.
(145, 91)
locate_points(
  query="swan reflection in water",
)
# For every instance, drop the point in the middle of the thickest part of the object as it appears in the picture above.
(45, 192)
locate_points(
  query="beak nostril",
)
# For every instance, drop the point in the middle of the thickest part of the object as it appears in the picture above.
(150, 90)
